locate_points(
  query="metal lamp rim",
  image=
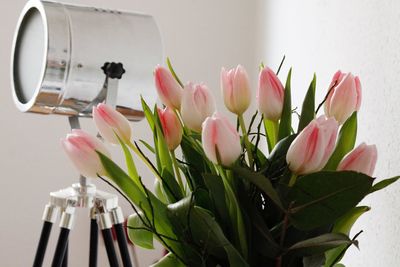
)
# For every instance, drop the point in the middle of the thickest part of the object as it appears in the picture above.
(29, 103)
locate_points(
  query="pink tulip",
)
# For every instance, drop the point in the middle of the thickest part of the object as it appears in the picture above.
(361, 159)
(81, 148)
(344, 98)
(110, 123)
(220, 136)
(168, 89)
(171, 126)
(236, 89)
(312, 148)
(197, 104)
(270, 95)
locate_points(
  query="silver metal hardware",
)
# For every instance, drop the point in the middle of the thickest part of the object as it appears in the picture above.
(67, 218)
(105, 221)
(117, 215)
(50, 213)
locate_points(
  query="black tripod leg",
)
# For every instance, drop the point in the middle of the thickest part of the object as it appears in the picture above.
(61, 247)
(94, 236)
(41, 249)
(123, 244)
(65, 260)
(108, 241)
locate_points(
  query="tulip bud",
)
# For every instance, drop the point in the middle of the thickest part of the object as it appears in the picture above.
(312, 148)
(220, 136)
(270, 95)
(236, 89)
(171, 126)
(344, 98)
(361, 159)
(197, 104)
(168, 89)
(81, 148)
(110, 123)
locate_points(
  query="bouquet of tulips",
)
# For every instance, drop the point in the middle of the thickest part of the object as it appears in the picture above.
(263, 193)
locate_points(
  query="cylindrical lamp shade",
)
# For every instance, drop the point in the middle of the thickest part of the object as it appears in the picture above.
(59, 50)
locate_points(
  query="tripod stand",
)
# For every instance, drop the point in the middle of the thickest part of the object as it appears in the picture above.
(104, 210)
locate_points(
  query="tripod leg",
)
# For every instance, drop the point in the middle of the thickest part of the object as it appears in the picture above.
(94, 236)
(41, 249)
(105, 225)
(67, 220)
(118, 220)
(109, 243)
(123, 244)
(49, 217)
(65, 260)
(61, 248)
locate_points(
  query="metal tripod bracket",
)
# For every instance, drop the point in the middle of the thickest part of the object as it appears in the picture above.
(103, 206)
(78, 196)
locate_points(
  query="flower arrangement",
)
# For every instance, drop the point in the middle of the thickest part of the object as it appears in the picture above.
(230, 201)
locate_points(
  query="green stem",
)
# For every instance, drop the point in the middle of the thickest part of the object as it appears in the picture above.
(292, 180)
(246, 140)
(271, 131)
(177, 172)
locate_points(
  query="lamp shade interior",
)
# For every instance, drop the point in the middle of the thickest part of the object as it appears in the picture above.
(29, 56)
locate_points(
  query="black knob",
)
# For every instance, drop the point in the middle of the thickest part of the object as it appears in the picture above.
(113, 70)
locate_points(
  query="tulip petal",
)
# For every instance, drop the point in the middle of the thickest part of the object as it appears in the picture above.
(362, 159)
(270, 95)
(219, 134)
(81, 149)
(110, 122)
(168, 89)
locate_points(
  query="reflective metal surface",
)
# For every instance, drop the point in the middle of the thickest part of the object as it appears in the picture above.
(59, 49)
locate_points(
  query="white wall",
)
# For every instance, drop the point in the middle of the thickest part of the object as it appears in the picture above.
(362, 37)
(199, 36)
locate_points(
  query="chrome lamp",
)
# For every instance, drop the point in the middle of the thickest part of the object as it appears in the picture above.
(65, 60)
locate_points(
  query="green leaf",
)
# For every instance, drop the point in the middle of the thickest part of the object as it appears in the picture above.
(207, 231)
(148, 114)
(263, 241)
(139, 198)
(130, 164)
(277, 158)
(339, 265)
(138, 232)
(308, 108)
(217, 194)
(171, 187)
(285, 126)
(235, 213)
(155, 210)
(159, 191)
(322, 197)
(262, 182)
(148, 146)
(168, 260)
(171, 69)
(314, 260)
(345, 143)
(196, 161)
(203, 230)
(343, 225)
(271, 129)
(319, 244)
(384, 183)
